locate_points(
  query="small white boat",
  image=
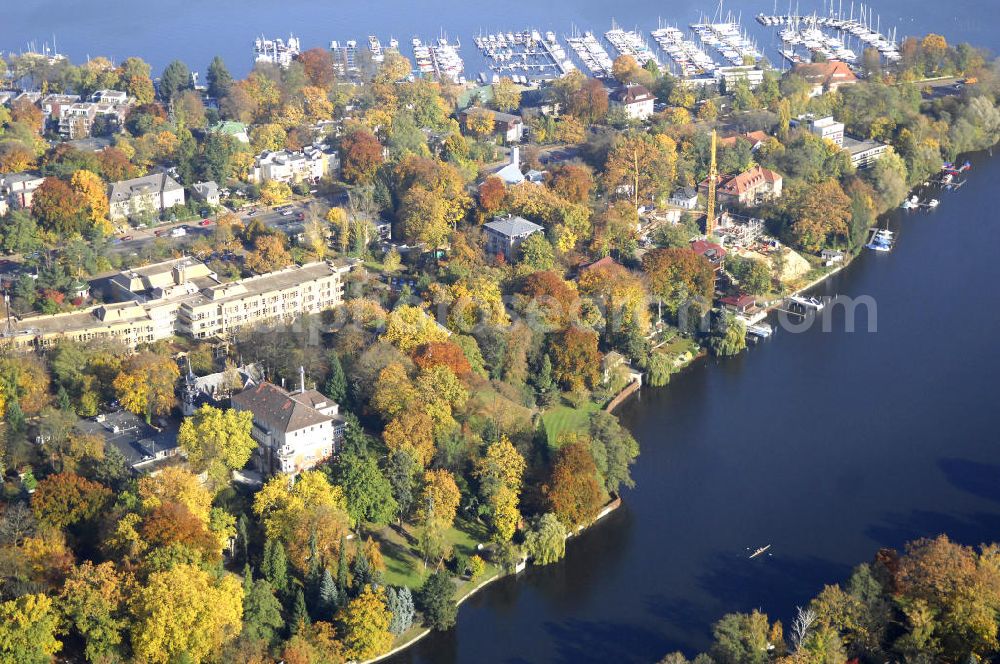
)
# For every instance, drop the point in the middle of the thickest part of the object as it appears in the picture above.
(933, 203)
(759, 551)
(807, 302)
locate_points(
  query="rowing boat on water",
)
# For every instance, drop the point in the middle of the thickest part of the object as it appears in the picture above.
(760, 551)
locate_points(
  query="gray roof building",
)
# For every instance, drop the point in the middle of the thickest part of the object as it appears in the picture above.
(278, 410)
(149, 184)
(152, 193)
(505, 234)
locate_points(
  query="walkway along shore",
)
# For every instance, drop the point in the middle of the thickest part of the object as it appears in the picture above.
(610, 507)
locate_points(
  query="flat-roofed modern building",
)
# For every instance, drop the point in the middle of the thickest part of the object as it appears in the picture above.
(184, 297)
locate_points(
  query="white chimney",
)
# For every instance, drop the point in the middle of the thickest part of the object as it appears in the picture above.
(302, 379)
(515, 156)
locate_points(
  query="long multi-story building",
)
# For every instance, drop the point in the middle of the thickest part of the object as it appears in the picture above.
(223, 309)
(184, 297)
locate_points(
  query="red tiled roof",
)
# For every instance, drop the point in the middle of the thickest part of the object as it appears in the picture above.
(742, 183)
(607, 261)
(708, 249)
(739, 301)
(753, 136)
(825, 73)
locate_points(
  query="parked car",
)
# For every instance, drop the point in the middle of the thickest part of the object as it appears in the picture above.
(286, 213)
(127, 238)
(205, 222)
(178, 232)
(159, 233)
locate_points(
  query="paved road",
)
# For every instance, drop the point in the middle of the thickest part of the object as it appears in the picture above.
(142, 238)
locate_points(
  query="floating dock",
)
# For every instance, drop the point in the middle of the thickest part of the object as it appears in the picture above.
(630, 42)
(861, 31)
(525, 55)
(590, 51)
(729, 40)
(689, 59)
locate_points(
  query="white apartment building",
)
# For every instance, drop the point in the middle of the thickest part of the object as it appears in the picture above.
(311, 164)
(295, 431)
(150, 194)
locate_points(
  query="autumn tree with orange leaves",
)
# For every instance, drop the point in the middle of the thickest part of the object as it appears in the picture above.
(59, 208)
(65, 499)
(575, 357)
(491, 195)
(573, 490)
(319, 67)
(361, 155)
(442, 353)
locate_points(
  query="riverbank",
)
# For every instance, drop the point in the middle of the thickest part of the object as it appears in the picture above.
(420, 632)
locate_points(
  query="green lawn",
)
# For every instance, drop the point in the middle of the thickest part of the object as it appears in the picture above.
(404, 566)
(565, 419)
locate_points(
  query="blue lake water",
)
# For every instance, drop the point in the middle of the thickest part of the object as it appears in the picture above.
(195, 31)
(825, 445)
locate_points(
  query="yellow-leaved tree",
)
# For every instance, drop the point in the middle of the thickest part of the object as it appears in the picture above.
(176, 485)
(500, 473)
(145, 386)
(273, 192)
(366, 625)
(479, 121)
(90, 186)
(313, 510)
(185, 612)
(408, 327)
(217, 441)
(28, 627)
(641, 166)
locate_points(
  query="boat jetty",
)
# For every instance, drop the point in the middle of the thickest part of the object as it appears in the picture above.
(630, 42)
(344, 56)
(836, 36)
(422, 57)
(524, 56)
(375, 46)
(447, 63)
(589, 49)
(882, 240)
(687, 58)
(276, 51)
(728, 39)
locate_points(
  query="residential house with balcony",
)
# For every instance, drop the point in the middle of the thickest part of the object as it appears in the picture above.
(290, 167)
(151, 194)
(504, 235)
(636, 100)
(17, 189)
(295, 431)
